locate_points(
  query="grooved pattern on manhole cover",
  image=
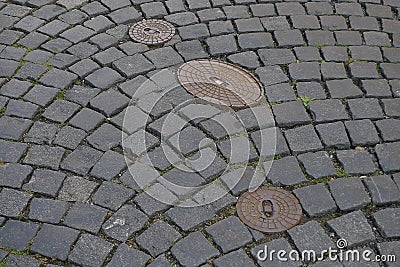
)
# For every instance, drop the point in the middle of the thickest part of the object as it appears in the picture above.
(220, 83)
(269, 209)
(152, 31)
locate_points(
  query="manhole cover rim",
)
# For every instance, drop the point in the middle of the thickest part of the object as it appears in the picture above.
(250, 77)
(269, 189)
(143, 24)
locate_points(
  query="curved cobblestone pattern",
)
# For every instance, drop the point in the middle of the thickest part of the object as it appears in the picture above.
(69, 70)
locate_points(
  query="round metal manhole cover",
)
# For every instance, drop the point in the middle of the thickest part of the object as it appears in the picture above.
(152, 31)
(269, 209)
(220, 83)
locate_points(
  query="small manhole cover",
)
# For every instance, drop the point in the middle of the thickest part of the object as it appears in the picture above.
(220, 83)
(269, 209)
(152, 31)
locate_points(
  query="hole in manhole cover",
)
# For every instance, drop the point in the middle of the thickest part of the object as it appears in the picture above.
(152, 31)
(269, 209)
(220, 83)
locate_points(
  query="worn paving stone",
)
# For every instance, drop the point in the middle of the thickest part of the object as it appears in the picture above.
(164, 57)
(14, 174)
(276, 56)
(69, 137)
(47, 210)
(387, 223)
(328, 110)
(124, 223)
(352, 227)
(16, 234)
(45, 156)
(191, 50)
(349, 193)
(105, 137)
(158, 238)
(126, 256)
(285, 171)
(60, 111)
(377, 88)
(365, 108)
(13, 202)
(303, 139)
(235, 258)
(388, 156)
(362, 132)
(315, 200)
(280, 92)
(187, 218)
(41, 95)
(305, 71)
(22, 260)
(184, 250)
(382, 189)
(310, 236)
(271, 75)
(86, 217)
(356, 162)
(290, 114)
(343, 89)
(307, 54)
(109, 165)
(317, 164)
(13, 128)
(222, 44)
(222, 233)
(41, 133)
(54, 241)
(389, 129)
(333, 135)
(109, 102)
(46, 182)
(11, 151)
(90, 250)
(21, 109)
(76, 188)
(15, 88)
(111, 195)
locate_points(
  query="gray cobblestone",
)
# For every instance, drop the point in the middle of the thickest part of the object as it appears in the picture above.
(349, 193)
(315, 200)
(352, 227)
(17, 242)
(54, 241)
(386, 222)
(193, 250)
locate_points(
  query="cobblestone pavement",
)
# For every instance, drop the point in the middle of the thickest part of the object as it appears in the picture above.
(68, 69)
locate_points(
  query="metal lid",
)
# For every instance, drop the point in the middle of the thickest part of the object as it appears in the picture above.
(220, 83)
(152, 31)
(269, 209)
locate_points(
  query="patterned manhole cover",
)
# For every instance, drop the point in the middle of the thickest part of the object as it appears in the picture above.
(152, 31)
(269, 209)
(220, 83)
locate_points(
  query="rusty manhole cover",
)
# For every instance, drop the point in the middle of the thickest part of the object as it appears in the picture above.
(152, 31)
(269, 209)
(220, 83)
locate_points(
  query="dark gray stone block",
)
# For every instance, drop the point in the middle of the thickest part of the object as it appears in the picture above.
(315, 200)
(349, 193)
